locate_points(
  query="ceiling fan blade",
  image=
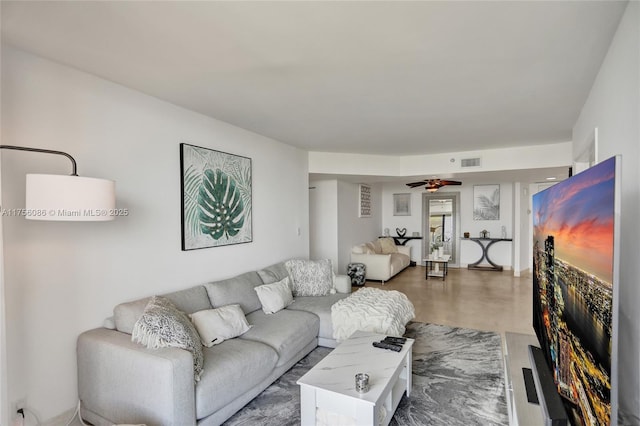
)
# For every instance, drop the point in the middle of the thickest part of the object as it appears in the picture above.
(414, 184)
(450, 182)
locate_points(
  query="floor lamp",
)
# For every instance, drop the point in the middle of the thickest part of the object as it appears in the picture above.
(65, 198)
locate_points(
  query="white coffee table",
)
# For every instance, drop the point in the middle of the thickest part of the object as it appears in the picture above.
(330, 385)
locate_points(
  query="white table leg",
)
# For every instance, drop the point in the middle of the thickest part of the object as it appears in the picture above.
(307, 406)
(409, 370)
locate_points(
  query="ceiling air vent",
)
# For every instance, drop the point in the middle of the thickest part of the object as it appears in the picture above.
(470, 162)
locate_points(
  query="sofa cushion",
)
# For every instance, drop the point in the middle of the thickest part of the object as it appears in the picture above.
(399, 261)
(286, 331)
(275, 296)
(273, 273)
(321, 306)
(230, 370)
(310, 277)
(188, 301)
(217, 325)
(162, 325)
(238, 289)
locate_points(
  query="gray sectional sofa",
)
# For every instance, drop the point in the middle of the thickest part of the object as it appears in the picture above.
(120, 381)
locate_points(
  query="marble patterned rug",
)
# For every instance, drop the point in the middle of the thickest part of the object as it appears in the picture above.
(457, 380)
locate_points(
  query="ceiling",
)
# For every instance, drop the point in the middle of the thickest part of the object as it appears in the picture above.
(382, 77)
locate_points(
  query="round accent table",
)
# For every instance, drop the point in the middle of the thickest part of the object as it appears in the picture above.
(357, 273)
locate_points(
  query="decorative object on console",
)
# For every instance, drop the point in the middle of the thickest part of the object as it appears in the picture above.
(67, 198)
(402, 204)
(486, 202)
(467, 235)
(364, 200)
(503, 231)
(162, 325)
(401, 232)
(484, 234)
(385, 232)
(216, 198)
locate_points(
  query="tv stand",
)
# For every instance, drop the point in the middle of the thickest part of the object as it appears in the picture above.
(516, 357)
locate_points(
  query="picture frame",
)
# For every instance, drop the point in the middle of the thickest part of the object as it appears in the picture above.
(216, 193)
(486, 202)
(402, 204)
(364, 200)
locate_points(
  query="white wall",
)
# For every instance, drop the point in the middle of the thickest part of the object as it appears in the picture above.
(500, 253)
(519, 158)
(64, 278)
(323, 220)
(352, 229)
(334, 223)
(613, 107)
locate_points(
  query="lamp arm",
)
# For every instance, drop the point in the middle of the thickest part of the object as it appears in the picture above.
(74, 166)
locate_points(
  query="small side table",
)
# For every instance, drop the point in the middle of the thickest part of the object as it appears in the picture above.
(433, 264)
(357, 272)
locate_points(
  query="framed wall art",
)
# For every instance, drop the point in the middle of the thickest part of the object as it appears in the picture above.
(216, 198)
(486, 202)
(364, 200)
(402, 204)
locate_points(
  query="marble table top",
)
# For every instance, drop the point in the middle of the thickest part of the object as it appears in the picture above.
(336, 372)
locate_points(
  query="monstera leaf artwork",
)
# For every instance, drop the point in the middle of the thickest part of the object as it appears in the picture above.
(220, 203)
(216, 197)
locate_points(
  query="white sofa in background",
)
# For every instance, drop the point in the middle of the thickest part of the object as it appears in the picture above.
(382, 258)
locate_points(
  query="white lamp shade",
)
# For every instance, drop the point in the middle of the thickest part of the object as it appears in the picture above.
(69, 198)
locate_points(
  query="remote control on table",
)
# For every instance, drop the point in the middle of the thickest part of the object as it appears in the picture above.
(395, 340)
(390, 346)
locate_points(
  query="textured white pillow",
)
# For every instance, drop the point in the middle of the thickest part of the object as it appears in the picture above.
(275, 297)
(217, 325)
(310, 277)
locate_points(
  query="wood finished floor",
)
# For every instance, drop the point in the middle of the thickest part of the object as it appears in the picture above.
(482, 300)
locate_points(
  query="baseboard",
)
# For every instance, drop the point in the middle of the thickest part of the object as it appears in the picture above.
(60, 419)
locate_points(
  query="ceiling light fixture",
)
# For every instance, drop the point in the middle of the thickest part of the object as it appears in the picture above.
(67, 198)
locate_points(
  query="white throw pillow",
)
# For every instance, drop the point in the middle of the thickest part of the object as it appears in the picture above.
(275, 297)
(217, 325)
(310, 277)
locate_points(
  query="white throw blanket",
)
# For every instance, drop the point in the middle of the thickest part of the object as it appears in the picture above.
(370, 309)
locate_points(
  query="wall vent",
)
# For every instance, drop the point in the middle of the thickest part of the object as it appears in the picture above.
(470, 162)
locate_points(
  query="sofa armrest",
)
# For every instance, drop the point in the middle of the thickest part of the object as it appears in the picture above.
(342, 283)
(378, 265)
(125, 382)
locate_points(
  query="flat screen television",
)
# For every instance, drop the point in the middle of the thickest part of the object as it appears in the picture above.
(575, 279)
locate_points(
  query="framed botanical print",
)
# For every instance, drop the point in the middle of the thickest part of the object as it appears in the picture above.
(216, 198)
(486, 202)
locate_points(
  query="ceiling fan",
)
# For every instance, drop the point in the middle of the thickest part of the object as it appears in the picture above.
(432, 185)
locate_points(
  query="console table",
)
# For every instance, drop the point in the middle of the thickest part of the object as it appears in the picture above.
(485, 253)
(401, 241)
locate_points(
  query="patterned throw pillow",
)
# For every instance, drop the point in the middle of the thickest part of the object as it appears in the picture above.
(162, 325)
(310, 277)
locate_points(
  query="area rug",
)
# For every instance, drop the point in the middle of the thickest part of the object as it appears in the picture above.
(457, 380)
